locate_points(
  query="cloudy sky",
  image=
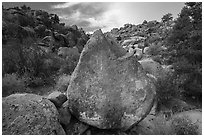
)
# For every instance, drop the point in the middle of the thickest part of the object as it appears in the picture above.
(94, 15)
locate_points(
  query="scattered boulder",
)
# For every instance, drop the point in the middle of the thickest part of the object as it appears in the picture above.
(71, 39)
(68, 52)
(146, 50)
(57, 98)
(64, 114)
(138, 53)
(152, 67)
(29, 114)
(187, 123)
(106, 92)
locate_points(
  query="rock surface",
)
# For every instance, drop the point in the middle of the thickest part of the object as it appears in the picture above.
(29, 114)
(106, 92)
(70, 52)
(152, 125)
(75, 127)
(152, 67)
(187, 123)
(64, 114)
(57, 98)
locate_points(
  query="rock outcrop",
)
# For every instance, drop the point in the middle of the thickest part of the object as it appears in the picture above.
(106, 92)
(29, 114)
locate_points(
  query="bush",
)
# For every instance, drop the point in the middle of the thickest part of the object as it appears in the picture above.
(63, 82)
(12, 84)
(155, 49)
(166, 90)
(33, 81)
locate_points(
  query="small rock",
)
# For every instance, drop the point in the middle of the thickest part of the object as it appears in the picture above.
(64, 114)
(57, 98)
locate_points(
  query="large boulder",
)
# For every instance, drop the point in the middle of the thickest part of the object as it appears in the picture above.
(107, 92)
(29, 114)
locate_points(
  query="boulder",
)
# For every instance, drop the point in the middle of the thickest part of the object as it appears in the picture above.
(187, 123)
(68, 52)
(152, 125)
(29, 114)
(71, 39)
(64, 114)
(152, 67)
(57, 98)
(107, 92)
(146, 50)
(138, 53)
(80, 44)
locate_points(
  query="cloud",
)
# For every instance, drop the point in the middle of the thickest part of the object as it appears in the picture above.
(64, 5)
(90, 16)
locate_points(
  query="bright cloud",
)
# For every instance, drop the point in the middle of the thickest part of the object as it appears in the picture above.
(64, 5)
(107, 15)
(90, 16)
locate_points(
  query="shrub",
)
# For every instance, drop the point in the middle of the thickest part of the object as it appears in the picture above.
(33, 81)
(166, 90)
(12, 84)
(63, 82)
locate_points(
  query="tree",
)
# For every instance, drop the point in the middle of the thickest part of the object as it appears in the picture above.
(167, 17)
(186, 42)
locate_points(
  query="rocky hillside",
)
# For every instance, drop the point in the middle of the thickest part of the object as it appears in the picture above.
(150, 37)
(37, 47)
(137, 79)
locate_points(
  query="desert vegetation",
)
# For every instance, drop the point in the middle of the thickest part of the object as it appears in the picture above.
(40, 53)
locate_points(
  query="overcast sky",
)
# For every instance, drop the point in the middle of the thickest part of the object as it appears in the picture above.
(94, 15)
